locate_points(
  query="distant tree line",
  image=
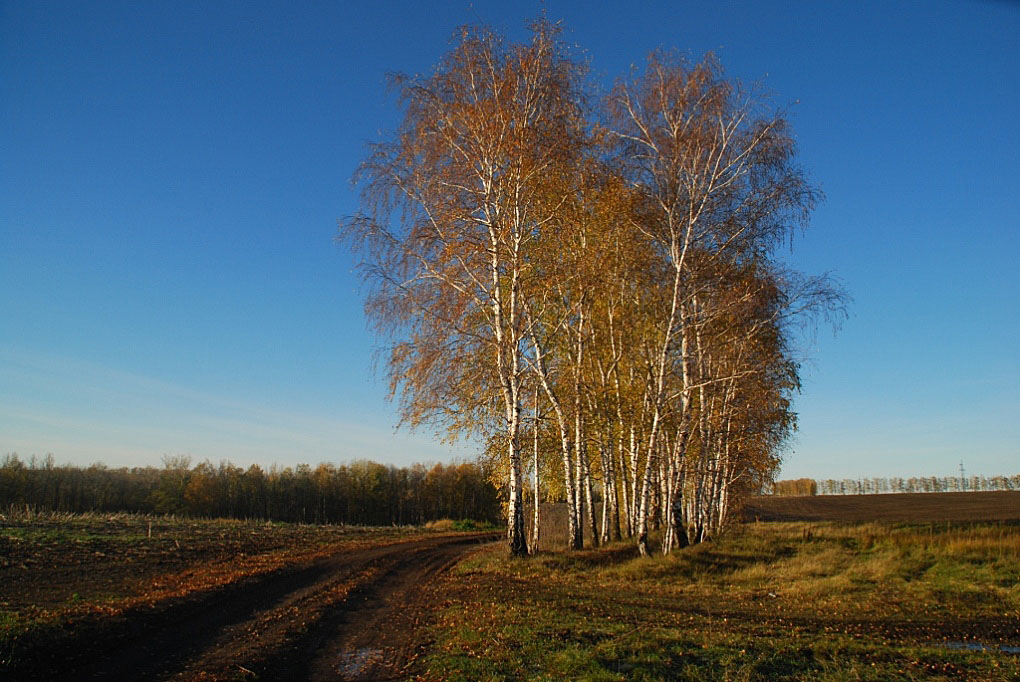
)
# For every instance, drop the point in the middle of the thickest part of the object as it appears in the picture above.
(917, 484)
(360, 492)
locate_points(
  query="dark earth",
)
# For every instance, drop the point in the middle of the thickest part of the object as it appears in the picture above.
(353, 615)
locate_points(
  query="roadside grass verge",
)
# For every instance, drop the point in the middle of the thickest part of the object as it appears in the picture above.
(802, 601)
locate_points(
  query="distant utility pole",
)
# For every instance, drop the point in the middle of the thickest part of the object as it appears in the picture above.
(963, 478)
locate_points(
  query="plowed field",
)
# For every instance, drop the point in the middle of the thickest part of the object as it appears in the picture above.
(915, 507)
(101, 599)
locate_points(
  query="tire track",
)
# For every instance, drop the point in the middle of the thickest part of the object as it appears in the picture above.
(352, 615)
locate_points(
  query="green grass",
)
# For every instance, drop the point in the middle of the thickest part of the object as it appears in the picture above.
(803, 601)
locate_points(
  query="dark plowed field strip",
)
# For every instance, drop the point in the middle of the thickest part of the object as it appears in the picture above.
(350, 616)
(915, 507)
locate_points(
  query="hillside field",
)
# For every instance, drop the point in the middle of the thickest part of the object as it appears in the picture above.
(902, 507)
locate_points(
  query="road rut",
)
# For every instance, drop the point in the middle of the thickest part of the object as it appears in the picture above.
(354, 615)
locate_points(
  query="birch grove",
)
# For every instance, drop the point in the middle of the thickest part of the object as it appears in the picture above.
(590, 285)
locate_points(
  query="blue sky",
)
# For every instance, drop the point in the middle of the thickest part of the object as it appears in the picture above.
(171, 175)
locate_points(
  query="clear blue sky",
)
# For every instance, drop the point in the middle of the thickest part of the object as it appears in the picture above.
(171, 175)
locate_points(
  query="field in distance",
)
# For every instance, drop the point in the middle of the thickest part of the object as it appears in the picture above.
(906, 507)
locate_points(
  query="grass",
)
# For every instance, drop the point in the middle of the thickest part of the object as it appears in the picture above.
(803, 601)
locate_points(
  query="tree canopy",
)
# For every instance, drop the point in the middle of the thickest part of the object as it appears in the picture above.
(598, 276)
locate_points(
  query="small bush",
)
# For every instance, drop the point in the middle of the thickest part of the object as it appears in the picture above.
(461, 525)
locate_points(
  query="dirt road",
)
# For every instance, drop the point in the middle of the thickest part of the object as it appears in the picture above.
(351, 616)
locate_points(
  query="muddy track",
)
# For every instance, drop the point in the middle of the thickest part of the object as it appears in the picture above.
(350, 616)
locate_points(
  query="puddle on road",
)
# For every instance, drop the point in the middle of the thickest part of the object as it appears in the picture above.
(978, 646)
(355, 663)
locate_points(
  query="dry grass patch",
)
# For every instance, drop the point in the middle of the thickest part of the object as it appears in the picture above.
(802, 601)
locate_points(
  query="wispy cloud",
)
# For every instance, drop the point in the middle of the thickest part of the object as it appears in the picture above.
(80, 411)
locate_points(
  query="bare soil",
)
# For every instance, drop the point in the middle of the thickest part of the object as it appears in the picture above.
(357, 613)
(900, 507)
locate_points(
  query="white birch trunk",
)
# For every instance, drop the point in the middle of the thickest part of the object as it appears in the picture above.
(535, 525)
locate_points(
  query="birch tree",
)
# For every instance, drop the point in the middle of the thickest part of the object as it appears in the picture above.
(717, 171)
(601, 295)
(450, 214)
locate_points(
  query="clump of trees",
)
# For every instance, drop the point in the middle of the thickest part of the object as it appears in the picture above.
(798, 487)
(360, 492)
(590, 284)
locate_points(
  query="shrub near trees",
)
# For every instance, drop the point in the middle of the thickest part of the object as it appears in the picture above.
(591, 278)
(361, 492)
(795, 488)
